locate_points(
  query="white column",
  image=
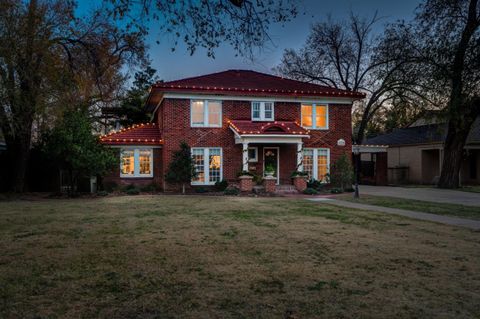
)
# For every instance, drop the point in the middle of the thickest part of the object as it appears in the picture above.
(299, 157)
(245, 157)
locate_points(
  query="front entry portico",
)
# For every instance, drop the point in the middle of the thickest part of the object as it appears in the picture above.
(276, 143)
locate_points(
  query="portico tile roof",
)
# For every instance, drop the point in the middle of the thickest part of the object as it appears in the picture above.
(138, 134)
(267, 128)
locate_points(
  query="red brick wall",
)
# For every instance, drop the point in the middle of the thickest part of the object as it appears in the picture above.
(175, 118)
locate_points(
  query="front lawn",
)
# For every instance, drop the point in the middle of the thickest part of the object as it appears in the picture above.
(470, 212)
(229, 257)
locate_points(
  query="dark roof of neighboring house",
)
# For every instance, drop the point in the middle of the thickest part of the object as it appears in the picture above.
(424, 134)
(267, 128)
(139, 134)
(246, 82)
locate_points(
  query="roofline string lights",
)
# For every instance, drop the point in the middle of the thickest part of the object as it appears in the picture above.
(270, 124)
(217, 88)
(105, 138)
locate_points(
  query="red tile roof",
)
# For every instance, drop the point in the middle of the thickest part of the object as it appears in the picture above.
(249, 83)
(267, 128)
(138, 134)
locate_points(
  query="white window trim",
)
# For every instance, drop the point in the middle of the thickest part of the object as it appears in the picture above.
(314, 116)
(315, 161)
(253, 160)
(262, 111)
(205, 113)
(206, 168)
(136, 162)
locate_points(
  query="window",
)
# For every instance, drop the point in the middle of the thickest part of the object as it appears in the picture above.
(136, 162)
(262, 111)
(206, 113)
(253, 154)
(316, 163)
(315, 116)
(208, 165)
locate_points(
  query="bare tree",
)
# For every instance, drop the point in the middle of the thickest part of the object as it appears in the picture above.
(443, 44)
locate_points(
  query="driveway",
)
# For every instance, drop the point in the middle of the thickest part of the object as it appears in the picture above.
(426, 194)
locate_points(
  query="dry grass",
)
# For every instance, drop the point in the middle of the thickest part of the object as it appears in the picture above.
(203, 257)
(470, 212)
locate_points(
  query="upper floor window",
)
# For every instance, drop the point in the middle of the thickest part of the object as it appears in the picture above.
(315, 116)
(262, 111)
(206, 113)
(136, 162)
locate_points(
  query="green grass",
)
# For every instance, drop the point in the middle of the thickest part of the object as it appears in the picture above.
(470, 212)
(229, 257)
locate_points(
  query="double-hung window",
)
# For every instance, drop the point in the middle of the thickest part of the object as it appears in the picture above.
(208, 164)
(206, 113)
(315, 116)
(316, 163)
(262, 111)
(136, 162)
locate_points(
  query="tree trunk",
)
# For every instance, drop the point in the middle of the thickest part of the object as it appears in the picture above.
(453, 152)
(183, 188)
(17, 153)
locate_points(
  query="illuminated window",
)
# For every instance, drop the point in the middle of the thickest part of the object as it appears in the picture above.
(127, 162)
(315, 116)
(136, 162)
(208, 171)
(206, 113)
(262, 111)
(316, 163)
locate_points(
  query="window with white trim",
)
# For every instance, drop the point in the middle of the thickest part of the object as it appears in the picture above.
(316, 163)
(253, 154)
(315, 116)
(208, 164)
(262, 111)
(205, 113)
(136, 162)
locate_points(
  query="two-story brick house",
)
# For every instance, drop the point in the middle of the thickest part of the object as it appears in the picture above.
(237, 121)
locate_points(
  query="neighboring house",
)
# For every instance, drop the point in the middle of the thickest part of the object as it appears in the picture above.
(237, 120)
(415, 153)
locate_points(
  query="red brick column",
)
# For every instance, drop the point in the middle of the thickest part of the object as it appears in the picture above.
(246, 183)
(300, 183)
(269, 184)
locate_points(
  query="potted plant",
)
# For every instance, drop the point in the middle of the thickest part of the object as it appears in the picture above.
(269, 170)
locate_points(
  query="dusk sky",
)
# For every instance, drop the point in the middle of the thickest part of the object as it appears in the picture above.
(179, 64)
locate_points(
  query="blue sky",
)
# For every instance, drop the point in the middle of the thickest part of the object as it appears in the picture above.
(179, 64)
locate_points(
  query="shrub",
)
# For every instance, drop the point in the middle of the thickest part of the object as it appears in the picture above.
(110, 186)
(201, 190)
(102, 193)
(315, 184)
(132, 191)
(231, 191)
(129, 187)
(258, 179)
(221, 186)
(310, 191)
(149, 188)
(243, 173)
(342, 173)
(298, 173)
(336, 191)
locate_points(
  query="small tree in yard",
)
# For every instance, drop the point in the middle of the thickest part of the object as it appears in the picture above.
(73, 147)
(342, 173)
(181, 168)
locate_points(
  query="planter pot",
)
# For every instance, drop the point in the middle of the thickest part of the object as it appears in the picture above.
(269, 173)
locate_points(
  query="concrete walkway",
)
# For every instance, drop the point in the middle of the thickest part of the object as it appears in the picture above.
(454, 221)
(435, 195)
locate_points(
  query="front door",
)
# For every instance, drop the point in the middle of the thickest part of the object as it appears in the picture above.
(271, 161)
